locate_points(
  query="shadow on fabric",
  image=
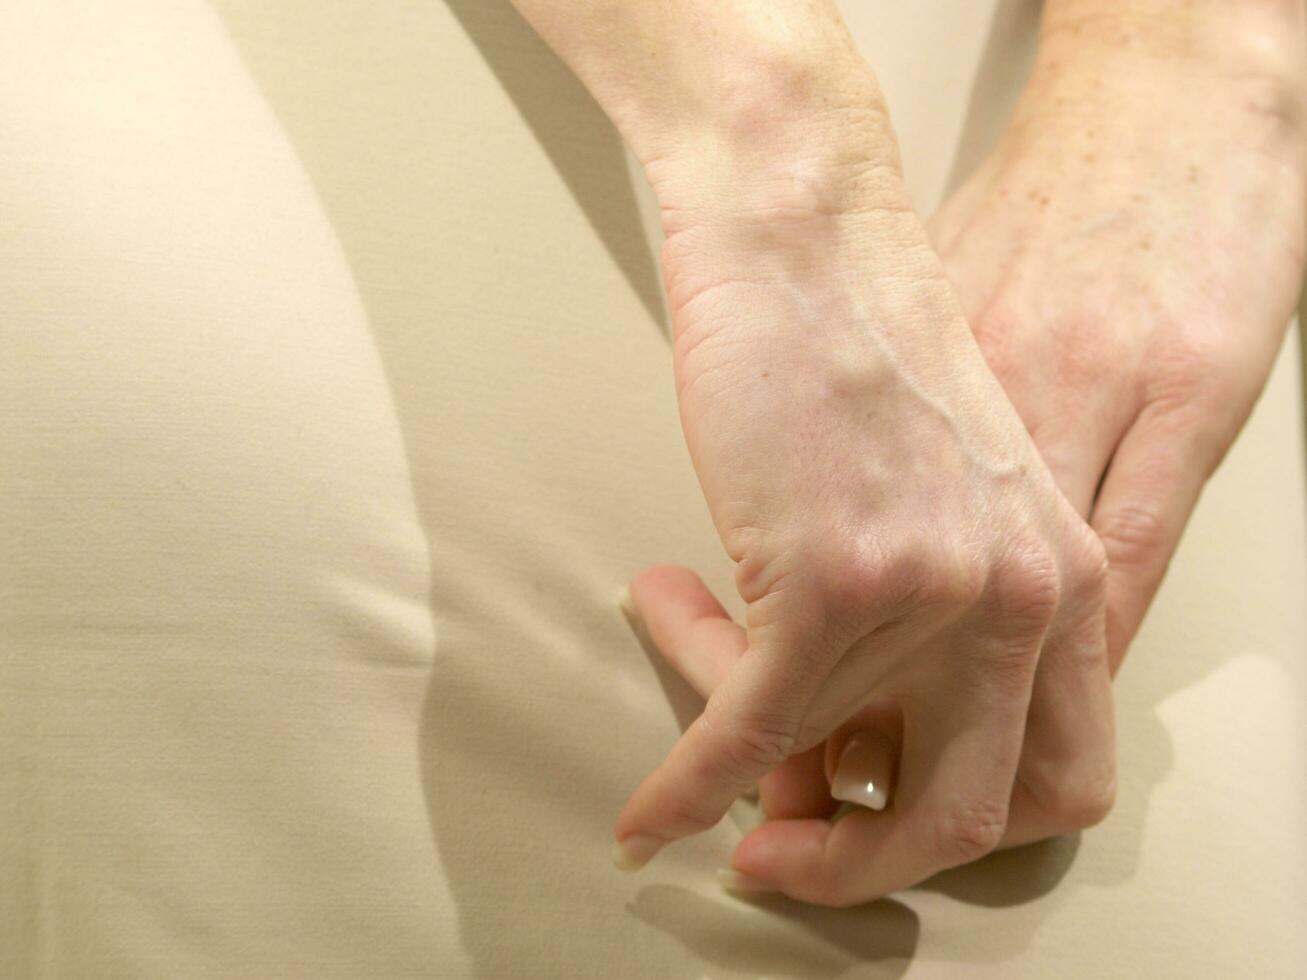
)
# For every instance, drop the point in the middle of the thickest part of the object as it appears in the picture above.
(588, 157)
(585, 149)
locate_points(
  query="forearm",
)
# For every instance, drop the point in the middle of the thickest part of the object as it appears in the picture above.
(1179, 26)
(1125, 80)
(1240, 38)
(732, 105)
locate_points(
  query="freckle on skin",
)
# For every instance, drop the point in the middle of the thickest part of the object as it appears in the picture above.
(1193, 175)
(766, 374)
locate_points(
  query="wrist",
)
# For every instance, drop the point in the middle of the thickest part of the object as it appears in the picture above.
(786, 118)
(789, 136)
(1237, 39)
(1152, 75)
(747, 107)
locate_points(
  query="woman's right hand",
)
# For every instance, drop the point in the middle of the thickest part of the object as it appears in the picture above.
(903, 553)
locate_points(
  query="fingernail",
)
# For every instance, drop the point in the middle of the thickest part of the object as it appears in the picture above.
(864, 771)
(635, 852)
(738, 881)
(627, 606)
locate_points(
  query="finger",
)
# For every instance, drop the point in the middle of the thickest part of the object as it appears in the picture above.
(1152, 485)
(691, 630)
(696, 636)
(752, 722)
(959, 758)
(1067, 775)
(1077, 462)
(798, 787)
(1066, 779)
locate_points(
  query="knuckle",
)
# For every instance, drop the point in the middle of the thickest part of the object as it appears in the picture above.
(1008, 669)
(924, 576)
(1133, 534)
(1080, 343)
(909, 576)
(809, 736)
(854, 584)
(952, 581)
(1086, 570)
(844, 574)
(1188, 368)
(971, 830)
(1078, 796)
(1088, 561)
(1089, 808)
(758, 744)
(763, 562)
(860, 581)
(1025, 587)
(1199, 398)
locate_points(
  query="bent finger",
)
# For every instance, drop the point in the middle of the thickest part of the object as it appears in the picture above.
(691, 630)
(752, 722)
(956, 774)
(1066, 779)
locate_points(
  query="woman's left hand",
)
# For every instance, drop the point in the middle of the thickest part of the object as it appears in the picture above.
(1128, 258)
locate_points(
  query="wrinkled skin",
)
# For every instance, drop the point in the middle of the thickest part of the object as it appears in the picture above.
(1127, 272)
(1128, 266)
(897, 537)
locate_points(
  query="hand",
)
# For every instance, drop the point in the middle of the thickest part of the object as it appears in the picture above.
(1128, 258)
(906, 559)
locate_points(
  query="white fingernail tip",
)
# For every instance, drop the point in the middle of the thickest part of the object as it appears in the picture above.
(627, 606)
(736, 881)
(635, 852)
(863, 775)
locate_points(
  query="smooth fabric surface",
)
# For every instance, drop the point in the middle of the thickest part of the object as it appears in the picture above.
(336, 405)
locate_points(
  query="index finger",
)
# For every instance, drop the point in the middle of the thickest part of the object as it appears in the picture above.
(752, 722)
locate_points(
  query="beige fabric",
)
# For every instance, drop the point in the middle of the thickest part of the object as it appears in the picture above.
(335, 405)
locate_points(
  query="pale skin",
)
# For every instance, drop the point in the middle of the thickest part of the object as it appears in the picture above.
(1146, 254)
(951, 461)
